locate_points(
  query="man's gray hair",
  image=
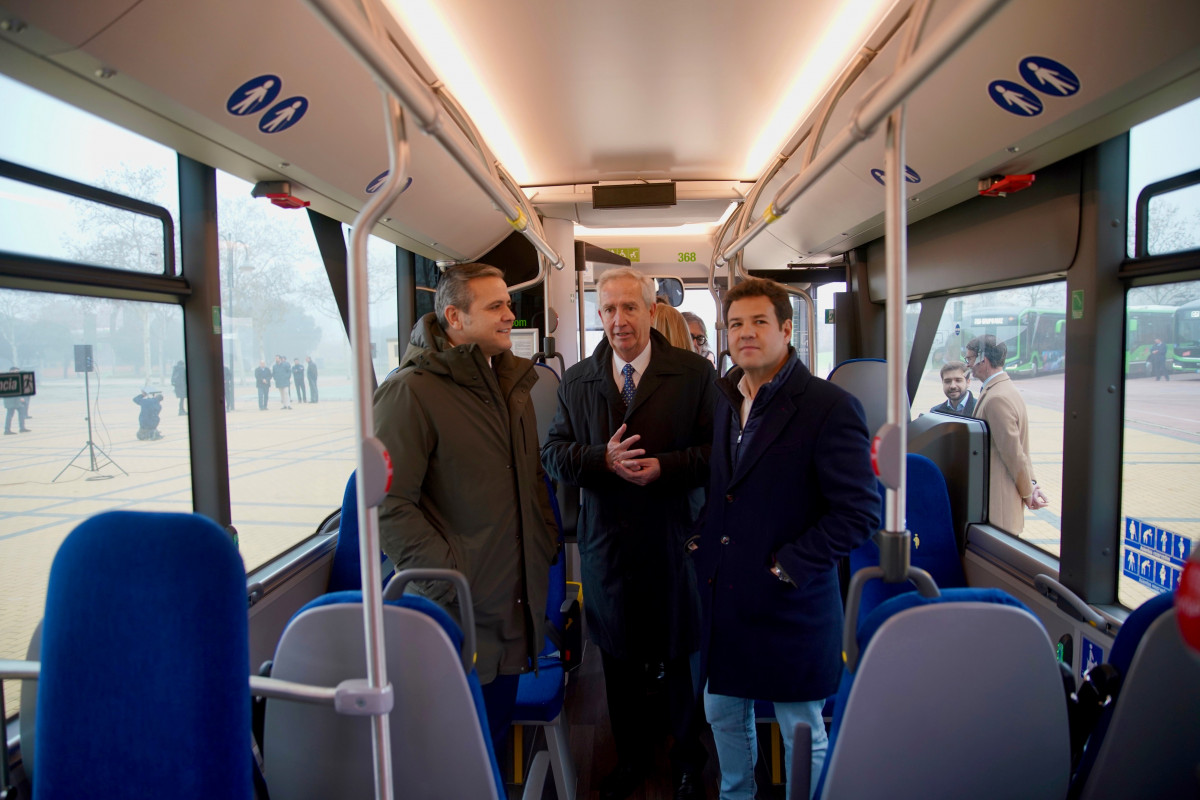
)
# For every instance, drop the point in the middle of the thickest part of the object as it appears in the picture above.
(453, 287)
(646, 282)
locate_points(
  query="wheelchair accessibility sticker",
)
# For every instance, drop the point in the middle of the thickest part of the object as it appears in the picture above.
(1153, 556)
(1089, 656)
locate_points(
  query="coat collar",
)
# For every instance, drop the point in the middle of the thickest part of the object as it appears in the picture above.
(430, 349)
(662, 365)
(1001, 377)
(774, 420)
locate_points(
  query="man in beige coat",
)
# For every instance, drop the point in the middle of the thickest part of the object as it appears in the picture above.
(468, 491)
(1011, 484)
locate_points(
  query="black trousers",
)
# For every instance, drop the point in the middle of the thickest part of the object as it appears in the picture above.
(312, 390)
(300, 391)
(264, 392)
(636, 719)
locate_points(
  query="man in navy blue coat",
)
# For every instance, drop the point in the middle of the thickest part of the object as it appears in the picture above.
(792, 492)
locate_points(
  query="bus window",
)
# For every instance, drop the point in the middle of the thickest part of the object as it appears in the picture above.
(1162, 148)
(59, 139)
(1160, 508)
(88, 441)
(291, 449)
(381, 296)
(1031, 321)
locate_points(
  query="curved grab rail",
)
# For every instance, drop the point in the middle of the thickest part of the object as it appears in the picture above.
(398, 79)
(966, 20)
(466, 611)
(1068, 601)
(924, 582)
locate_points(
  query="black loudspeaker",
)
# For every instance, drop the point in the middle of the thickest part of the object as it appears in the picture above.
(83, 358)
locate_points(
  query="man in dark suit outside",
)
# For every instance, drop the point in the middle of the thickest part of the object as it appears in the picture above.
(298, 379)
(312, 380)
(262, 382)
(792, 492)
(959, 400)
(634, 431)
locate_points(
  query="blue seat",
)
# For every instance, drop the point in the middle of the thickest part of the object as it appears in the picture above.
(437, 725)
(954, 696)
(345, 574)
(933, 547)
(144, 686)
(540, 696)
(1146, 740)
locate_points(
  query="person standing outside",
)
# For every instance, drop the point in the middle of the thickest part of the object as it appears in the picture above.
(792, 492)
(959, 400)
(634, 432)
(18, 406)
(1011, 484)
(262, 382)
(298, 379)
(468, 492)
(1158, 360)
(283, 380)
(179, 383)
(312, 379)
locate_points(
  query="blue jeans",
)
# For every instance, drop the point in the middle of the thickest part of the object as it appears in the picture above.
(732, 721)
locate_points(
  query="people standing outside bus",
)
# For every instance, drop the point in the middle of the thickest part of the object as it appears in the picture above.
(468, 492)
(699, 334)
(1011, 484)
(228, 389)
(298, 379)
(634, 432)
(18, 407)
(262, 382)
(179, 383)
(283, 380)
(955, 382)
(312, 379)
(792, 492)
(1158, 360)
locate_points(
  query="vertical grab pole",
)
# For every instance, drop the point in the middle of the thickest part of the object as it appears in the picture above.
(369, 462)
(896, 237)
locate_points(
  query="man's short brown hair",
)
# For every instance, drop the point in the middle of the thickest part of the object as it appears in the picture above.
(951, 366)
(760, 287)
(453, 287)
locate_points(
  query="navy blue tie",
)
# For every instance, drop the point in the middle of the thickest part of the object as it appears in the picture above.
(628, 389)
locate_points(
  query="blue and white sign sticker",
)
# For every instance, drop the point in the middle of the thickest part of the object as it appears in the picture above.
(1015, 98)
(1090, 655)
(910, 175)
(253, 95)
(1154, 556)
(377, 183)
(1048, 76)
(283, 115)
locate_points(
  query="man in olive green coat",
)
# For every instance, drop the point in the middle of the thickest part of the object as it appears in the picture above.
(467, 491)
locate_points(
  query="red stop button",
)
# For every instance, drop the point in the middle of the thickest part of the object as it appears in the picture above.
(1187, 603)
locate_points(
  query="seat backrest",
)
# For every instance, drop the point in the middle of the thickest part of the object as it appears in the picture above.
(866, 379)
(955, 696)
(1146, 744)
(544, 396)
(345, 574)
(933, 547)
(144, 687)
(437, 724)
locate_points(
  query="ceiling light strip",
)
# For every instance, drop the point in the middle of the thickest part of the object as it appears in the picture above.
(967, 19)
(397, 77)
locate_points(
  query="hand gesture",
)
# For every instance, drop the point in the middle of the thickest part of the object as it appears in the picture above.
(618, 450)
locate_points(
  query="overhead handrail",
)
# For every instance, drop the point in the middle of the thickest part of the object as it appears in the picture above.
(965, 21)
(399, 79)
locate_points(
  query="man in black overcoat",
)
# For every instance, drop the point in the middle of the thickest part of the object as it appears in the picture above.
(634, 431)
